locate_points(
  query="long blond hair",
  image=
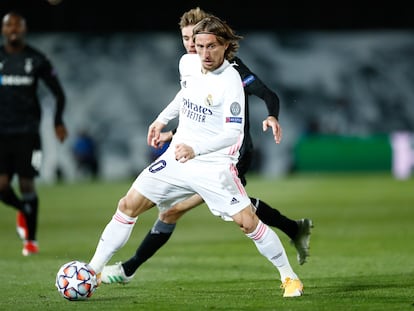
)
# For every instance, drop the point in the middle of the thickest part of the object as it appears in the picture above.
(224, 34)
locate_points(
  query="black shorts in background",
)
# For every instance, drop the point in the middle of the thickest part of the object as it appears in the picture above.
(245, 158)
(16, 152)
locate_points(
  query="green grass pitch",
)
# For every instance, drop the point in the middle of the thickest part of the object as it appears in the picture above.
(362, 250)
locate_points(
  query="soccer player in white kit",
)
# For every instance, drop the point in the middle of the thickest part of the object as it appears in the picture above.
(203, 154)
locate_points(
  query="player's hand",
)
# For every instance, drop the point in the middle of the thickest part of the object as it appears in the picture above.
(61, 132)
(183, 153)
(154, 131)
(164, 138)
(272, 122)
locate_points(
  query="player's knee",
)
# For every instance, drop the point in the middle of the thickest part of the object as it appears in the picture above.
(246, 220)
(244, 224)
(122, 205)
(170, 216)
(126, 207)
(247, 228)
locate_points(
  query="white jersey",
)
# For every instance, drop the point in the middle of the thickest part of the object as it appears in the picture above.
(210, 108)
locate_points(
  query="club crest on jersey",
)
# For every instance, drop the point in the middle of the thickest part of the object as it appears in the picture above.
(28, 66)
(209, 100)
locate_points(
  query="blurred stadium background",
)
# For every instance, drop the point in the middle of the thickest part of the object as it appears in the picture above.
(344, 74)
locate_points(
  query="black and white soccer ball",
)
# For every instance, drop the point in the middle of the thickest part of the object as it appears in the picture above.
(76, 280)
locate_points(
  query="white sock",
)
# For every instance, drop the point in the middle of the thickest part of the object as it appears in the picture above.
(269, 245)
(114, 236)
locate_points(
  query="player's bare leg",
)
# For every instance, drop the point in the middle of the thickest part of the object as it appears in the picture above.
(159, 234)
(118, 230)
(270, 246)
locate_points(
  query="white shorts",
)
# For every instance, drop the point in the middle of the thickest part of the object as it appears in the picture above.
(167, 181)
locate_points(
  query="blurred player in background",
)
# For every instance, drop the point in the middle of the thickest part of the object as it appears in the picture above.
(299, 231)
(21, 69)
(85, 153)
(202, 155)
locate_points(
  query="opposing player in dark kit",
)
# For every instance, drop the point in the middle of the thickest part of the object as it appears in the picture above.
(21, 69)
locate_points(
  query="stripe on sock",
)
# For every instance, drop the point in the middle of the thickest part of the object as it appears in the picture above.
(259, 232)
(120, 218)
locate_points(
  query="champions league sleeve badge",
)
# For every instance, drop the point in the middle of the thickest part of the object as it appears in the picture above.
(235, 110)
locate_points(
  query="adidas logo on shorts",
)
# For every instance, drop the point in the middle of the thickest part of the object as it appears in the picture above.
(234, 201)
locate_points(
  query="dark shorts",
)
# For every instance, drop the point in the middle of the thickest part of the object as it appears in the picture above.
(245, 159)
(16, 153)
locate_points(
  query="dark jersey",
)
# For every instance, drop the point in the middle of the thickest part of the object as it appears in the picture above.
(252, 86)
(20, 110)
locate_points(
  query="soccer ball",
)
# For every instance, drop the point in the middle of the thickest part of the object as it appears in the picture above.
(76, 280)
